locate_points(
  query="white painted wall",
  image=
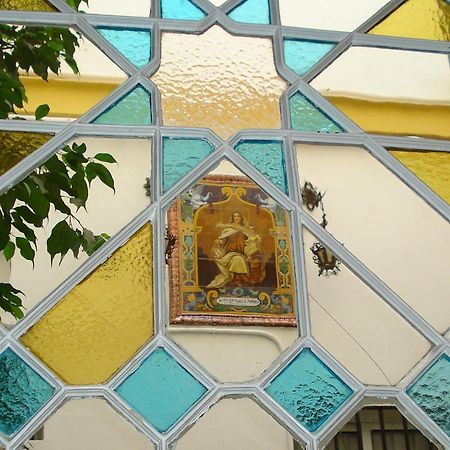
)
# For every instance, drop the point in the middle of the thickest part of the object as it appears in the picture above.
(399, 237)
(385, 74)
(345, 15)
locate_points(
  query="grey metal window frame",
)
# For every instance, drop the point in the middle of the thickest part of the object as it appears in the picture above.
(155, 213)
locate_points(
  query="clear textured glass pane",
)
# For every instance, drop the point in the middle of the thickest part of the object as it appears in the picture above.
(422, 19)
(430, 392)
(70, 95)
(302, 55)
(27, 5)
(251, 11)
(60, 198)
(252, 429)
(161, 390)
(140, 8)
(305, 116)
(181, 9)
(345, 15)
(433, 168)
(231, 265)
(379, 428)
(218, 81)
(88, 424)
(309, 390)
(103, 321)
(133, 108)
(190, 151)
(22, 392)
(268, 158)
(135, 45)
(390, 229)
(17, 145)
(356, 326)
(414, 103)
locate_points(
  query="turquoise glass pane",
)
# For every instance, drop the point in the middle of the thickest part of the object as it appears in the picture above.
(161, 390)
(268, 158)
(22, 392)
(251, 11)
(132, 109)
(180, 156)
(300, 56)
(431, 392)
(305, 116)
(309, 390)
(135, 45)
(181, 9)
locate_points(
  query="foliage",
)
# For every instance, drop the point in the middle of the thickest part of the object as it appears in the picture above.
(62, 182)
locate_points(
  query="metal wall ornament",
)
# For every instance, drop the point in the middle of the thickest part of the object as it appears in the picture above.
(328, 264)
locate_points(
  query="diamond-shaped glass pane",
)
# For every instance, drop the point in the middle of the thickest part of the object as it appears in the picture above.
(161, 390)
(309, 390)
(22, 392)
(431, 392)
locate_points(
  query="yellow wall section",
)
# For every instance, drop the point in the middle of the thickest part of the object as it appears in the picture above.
(98, 326)
(16, 145)
(66, 97)
(433, 168)
(397, 118)
(422, 19)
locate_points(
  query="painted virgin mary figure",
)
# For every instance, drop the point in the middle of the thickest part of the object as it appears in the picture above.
(237, 254)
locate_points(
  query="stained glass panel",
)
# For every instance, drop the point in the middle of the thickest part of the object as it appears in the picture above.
(22, 392)
(251, 11)
(309, 390)
(181, 9)
(101, 323)
(422, 19)
(219, 81)
(161, 390)
(17, 145)
(27, 5)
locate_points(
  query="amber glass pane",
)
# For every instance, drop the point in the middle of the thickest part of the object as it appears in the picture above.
(422, 19)
(414, 102)
(219, 81)
(17, 145)
(98, 326)
(27, 5)
(433, 168)
(88, 424)
(384, 223)
(357, 327)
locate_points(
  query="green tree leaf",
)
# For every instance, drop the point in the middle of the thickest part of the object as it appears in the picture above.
(9, 250)
(105, 175)
(25, 248)
(105, 157)
(41, 111)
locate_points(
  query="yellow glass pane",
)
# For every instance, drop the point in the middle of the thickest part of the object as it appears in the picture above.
(27, 5)
(422, 19)
(433, 168)
(17, 145)
(98, 326)
(219, 81)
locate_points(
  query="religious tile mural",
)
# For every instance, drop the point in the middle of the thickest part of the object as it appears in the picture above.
(232, 262)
